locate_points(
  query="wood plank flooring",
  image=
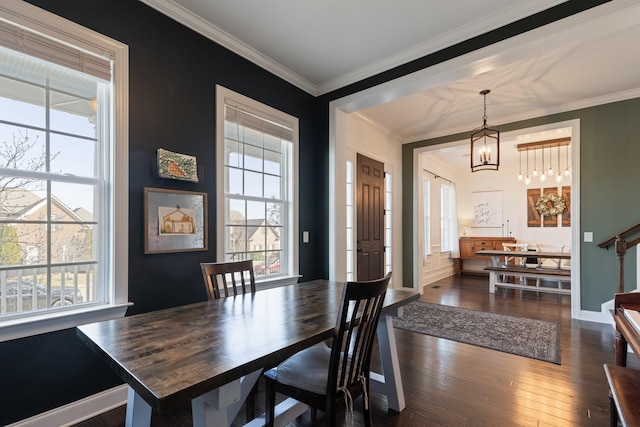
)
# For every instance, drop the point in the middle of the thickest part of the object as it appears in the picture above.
(452, 384)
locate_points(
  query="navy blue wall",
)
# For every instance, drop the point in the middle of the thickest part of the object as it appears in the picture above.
(173, 73)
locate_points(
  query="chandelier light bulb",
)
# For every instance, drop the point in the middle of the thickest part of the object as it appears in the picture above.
(567, 171)
(559, 178)
(543, 177)
(527, 180)
(520, 176)
(550, 171)
(535, 169)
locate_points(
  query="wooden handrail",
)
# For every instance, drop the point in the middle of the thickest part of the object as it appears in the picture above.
(621, 246)
(608, 242)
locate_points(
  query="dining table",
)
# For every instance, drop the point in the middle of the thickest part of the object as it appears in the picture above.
(212, 353)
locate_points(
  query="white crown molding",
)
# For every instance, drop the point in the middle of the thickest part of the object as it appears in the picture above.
(447, 39)
(383, 129)
(206, 29)
(532, 114)
(476, 28)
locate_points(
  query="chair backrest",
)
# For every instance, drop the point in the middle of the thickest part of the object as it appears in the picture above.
(354, 334)
(550, 248)
(222, 278)
(545, 247)
(515, 247)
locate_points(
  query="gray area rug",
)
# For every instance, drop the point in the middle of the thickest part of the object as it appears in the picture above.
(532, 338)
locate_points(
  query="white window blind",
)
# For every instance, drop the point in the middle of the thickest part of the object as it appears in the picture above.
(25, 41)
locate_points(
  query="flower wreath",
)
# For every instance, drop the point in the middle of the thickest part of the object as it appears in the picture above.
(558, 205)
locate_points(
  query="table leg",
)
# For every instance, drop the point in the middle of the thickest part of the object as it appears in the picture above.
(219, 407)
(138, 411)
(492, 282)
(391, 383)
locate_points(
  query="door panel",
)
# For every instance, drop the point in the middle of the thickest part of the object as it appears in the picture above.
(369, 218)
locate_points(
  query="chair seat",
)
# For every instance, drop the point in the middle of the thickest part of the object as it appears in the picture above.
(307, 369)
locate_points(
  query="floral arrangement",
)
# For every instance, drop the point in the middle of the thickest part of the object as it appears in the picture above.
(551, 204)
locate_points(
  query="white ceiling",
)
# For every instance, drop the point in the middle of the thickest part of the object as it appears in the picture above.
(587, 59)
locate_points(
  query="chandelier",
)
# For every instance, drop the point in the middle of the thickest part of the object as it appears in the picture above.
(485, 143)
(552, 172)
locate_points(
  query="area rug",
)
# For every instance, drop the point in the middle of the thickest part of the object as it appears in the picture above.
(532, 338)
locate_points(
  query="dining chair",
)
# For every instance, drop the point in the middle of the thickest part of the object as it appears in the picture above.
(222, 279)
(228, 278)
(550, 248)
(519, 261)
(553, 262)
(329, 378)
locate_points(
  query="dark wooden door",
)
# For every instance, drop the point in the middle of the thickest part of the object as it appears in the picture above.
(369, 218)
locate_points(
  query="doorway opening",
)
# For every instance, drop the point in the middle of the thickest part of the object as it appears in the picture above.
(450, 161)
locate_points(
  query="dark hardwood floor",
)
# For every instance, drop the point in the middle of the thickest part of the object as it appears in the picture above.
(452, 384)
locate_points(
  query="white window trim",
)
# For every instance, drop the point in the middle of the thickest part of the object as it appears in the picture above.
(67, 31)
(293, 236)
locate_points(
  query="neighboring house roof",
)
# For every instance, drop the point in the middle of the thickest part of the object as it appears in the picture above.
(14, 203)
(84, 214)
(20, 203)
(253, 225)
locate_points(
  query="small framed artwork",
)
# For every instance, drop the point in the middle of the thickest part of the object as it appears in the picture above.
(175, 221)
(177, 166)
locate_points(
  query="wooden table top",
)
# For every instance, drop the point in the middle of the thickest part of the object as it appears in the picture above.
(174, 355)
(528, 254)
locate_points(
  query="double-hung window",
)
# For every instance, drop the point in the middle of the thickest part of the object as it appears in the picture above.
(446, 217)
(257, 175)
(63, 173)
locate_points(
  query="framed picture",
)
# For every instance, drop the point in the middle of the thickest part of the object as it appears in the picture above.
(177, 166)
(175, 221)
(487, 209)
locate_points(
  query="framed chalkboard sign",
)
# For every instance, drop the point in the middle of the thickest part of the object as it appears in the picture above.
(487, 209)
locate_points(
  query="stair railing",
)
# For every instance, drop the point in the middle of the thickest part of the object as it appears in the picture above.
(621, 245)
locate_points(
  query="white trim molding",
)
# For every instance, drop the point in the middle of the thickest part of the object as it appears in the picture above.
(81, 410)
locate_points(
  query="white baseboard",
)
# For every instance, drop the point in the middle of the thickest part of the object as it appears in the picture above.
(78, 411)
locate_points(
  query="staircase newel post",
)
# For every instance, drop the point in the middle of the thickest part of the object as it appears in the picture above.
(621, 250)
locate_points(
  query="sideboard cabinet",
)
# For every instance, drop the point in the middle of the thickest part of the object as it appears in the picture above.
(470, 245)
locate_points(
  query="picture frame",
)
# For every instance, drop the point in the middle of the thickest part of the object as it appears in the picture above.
(174, 221)
(179, 166)
(487, 209)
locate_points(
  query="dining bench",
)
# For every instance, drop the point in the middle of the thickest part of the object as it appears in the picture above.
(540, 274)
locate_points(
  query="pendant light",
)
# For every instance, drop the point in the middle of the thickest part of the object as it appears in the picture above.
(567, 171)
(535, 161)
(527, 179)
(543, 176)
(550, 171)
(559, 174)
(484, 140)
(520, 176)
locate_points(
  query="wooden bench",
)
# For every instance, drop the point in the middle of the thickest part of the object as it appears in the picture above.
(534, 273)
(624, 394)
(624, 383)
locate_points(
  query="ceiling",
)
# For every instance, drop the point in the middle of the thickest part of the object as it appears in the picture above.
(587, 59)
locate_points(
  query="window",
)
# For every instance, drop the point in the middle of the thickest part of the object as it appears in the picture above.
(350, 273)
(387, 222)
(63, 173)
(257, 166)
(426, 217)
(446, 217)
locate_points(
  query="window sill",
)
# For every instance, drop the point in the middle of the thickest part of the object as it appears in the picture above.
(25, 327)
(276, 282)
